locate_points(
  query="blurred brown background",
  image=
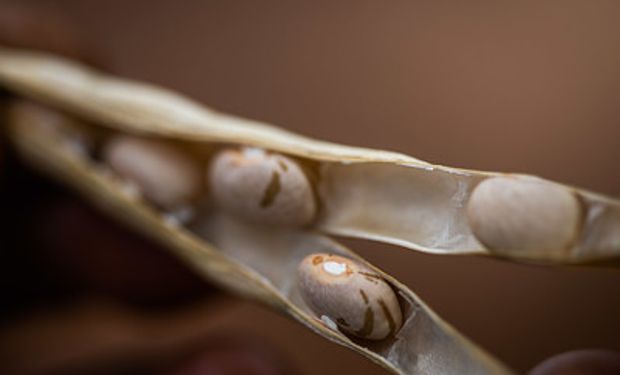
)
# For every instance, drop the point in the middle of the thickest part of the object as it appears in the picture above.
(530, 86)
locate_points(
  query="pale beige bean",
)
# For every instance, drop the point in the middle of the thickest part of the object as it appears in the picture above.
(525, 216)
(261, 186)
(353, 296)
(163, 175)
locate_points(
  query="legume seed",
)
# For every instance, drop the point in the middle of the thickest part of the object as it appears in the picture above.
(261, 186)
(353, 296)
(163, 174)
(525, 215)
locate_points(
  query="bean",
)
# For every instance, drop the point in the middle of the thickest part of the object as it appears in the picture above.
(580, 362)
(353, 296)
(524, 215)
(261, 186)
(163, 174)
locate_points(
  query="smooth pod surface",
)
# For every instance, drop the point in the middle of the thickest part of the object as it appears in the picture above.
(164, 175)
(262, 187)
(524, 216)
(352, 296)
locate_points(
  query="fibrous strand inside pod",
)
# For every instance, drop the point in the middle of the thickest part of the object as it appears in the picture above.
(262, 187)
(356, 298)
(523, 216)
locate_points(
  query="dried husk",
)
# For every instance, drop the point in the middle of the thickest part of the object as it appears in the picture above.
(363, 193)
(255, 262)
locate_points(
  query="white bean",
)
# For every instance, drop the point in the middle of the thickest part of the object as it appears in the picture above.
(525, 216)
(163, 174)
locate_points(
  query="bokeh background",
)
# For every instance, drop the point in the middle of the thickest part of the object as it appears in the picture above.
(528, 86)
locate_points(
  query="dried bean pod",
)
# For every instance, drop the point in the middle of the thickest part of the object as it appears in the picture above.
(253, 261)
(524, 216)
(356, 298)
(262, 187)
(363, 193)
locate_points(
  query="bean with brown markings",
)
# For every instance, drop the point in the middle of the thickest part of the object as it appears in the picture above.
(261, 186)
(358, 300)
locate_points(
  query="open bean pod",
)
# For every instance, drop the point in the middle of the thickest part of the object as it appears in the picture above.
(120, 152)
(383, 320)
(263, 209)
(362, 193)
